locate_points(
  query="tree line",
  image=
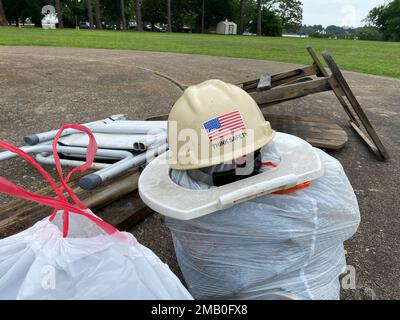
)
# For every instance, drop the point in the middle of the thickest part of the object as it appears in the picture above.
(263, 17)
(385, 21)
(382, 23)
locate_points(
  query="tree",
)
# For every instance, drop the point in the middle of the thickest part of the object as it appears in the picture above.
(60, 14)
(387, 19)
(218, 10)
(202, 17)
(139, 21)
(259, 18)
(169, 21)
(335, 30)
(20, 10)
(3, 18)
(154, 11)
(241, 17)
(123, 18)
(291, 13)
(90, 13)
(98, 15)
(73, 12)
(271, 24)
(307, 30)
(369, 33)
(244, 13)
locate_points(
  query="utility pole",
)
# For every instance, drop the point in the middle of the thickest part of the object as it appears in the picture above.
(202, 18)
(169, 26)
(90, 13)
(139, 22)
(98, 16)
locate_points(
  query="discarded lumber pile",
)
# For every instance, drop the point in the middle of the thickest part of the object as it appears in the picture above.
(270, 90)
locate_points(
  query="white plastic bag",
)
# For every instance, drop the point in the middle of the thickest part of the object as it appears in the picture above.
(74, 254)
(39, 263)
(288, 244)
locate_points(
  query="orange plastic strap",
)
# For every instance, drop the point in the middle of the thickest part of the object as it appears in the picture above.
(293, 189)
(290, 190)
(61, 202)
(269, 164)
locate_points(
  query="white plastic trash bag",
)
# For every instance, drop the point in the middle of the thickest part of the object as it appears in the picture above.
(287, 245)
(39, 263)
(74, 254)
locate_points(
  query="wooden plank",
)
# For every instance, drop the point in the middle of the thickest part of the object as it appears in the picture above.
(311, 125)
(305, 130)
(326, 143)
(281, 78)
(321, 70)
(325, 121)
(337, 74)
(285, 77)
(335, 86)
(321, 134)
(20, 214)
(305, 79)
(366, 140)
(290, 92)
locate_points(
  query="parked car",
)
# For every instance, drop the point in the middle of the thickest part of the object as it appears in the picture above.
(132, 24)
(110, 26)
(156, 28)
(84, 25)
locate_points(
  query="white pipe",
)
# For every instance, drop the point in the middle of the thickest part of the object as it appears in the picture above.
(94, 180)
(149, 141)
(143, 130)
(40, 148)
(49, 160)
(37, 138)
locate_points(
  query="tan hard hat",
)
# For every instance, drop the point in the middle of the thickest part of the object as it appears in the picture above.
(212, 123)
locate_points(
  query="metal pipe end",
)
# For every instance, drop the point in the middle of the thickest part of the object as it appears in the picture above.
(139, 146)
(90, 182)
(31, 139)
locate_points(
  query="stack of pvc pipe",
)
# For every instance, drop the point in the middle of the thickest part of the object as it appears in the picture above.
(122, 145)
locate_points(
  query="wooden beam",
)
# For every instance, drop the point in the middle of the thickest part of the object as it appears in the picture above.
(319, 132)
(289, 92)
(366, 140)
(281, 78)
(337, 74)
(335, 86)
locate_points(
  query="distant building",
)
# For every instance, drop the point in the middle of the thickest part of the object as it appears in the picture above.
(295, 35)
(226, 27)
(50, 18)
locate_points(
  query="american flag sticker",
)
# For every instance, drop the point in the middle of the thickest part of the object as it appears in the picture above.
(224, 125)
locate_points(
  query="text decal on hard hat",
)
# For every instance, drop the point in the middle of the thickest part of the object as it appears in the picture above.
(222, 142)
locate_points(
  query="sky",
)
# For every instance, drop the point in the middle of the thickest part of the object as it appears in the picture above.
(338, 12)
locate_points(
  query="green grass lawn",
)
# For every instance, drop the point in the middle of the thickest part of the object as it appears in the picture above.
(380, 58)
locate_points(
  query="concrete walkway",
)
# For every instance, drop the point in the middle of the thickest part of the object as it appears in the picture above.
(42, 88)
